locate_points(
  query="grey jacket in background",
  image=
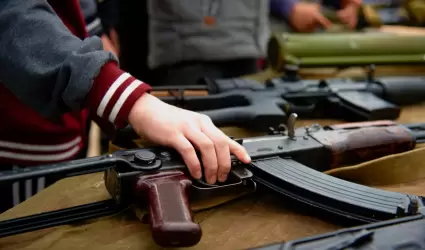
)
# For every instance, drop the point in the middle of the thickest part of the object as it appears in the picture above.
(42, 62)
(177, 31)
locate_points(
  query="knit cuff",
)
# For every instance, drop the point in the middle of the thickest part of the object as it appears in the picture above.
(113, 94)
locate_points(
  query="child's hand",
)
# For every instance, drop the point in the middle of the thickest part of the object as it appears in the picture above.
(186, 130)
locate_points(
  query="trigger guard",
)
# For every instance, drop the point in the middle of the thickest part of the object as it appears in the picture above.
(201, 182)
(240, 176)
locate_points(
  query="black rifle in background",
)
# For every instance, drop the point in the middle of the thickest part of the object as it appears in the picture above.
(249, 104)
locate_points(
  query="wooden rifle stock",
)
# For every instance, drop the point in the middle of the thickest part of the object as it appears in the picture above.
(353, 143)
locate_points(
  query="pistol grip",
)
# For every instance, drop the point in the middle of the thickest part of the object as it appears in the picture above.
(166, 195)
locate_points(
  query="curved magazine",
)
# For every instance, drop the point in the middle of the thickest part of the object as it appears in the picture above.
(340, 197)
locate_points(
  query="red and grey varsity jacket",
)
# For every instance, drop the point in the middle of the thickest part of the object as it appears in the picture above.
(51, 77)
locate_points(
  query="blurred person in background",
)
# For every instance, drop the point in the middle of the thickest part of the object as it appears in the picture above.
(188, 40)
(307, 17)
(180, 42)
(171, 42)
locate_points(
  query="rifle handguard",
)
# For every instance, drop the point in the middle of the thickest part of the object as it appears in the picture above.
(354, 146)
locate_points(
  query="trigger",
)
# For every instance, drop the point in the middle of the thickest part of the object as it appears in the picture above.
(203, 183)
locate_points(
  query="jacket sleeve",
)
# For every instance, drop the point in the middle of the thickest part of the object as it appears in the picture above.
(54, 72)
(282, 8)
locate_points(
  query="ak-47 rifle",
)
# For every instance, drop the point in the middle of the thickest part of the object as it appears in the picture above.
(344, 50)
(249, 104)
(288, 162)
(402, 233)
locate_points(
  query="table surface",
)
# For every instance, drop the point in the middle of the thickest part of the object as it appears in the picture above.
(250, 221)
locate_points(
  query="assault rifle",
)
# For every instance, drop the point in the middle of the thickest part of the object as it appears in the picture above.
(402, 233)
(249, 104)
(287, 161)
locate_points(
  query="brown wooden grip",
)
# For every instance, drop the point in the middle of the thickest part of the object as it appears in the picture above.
(354, 146)
(166, 195)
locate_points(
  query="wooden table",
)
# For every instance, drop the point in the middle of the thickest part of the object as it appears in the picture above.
(254, 220)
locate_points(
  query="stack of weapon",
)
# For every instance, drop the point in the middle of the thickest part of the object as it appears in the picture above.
(288, 160)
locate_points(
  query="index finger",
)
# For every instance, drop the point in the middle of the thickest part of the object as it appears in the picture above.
(239, 151)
